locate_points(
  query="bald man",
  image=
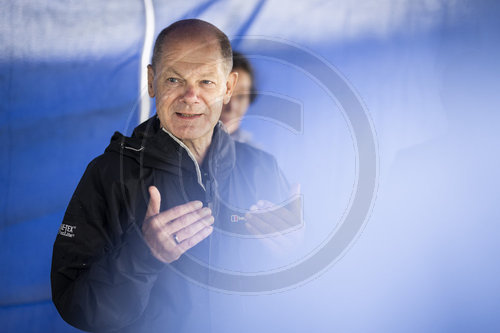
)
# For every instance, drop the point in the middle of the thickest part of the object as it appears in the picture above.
(153, 201)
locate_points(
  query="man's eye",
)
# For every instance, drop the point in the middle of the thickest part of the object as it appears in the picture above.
(208, 82)
(172, 80)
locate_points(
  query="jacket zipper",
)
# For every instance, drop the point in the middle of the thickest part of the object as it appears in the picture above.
(198, 172)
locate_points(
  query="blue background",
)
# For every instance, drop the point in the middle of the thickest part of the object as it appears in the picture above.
(428, 73)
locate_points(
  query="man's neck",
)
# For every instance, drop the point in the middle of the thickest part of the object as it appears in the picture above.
(198, 147)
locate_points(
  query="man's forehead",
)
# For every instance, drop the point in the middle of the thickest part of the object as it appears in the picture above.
(189, 46)
(199, 57)
(187, 65)
(189, 68)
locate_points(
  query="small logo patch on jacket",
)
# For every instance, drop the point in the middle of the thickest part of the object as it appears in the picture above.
(237, 218)
(67, 230)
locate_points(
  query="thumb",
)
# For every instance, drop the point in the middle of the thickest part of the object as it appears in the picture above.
(154, 202)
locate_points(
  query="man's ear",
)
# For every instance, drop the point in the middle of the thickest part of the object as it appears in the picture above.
(232, 79)
(151, 79)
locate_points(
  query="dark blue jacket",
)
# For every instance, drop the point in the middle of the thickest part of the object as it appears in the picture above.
(104, 277)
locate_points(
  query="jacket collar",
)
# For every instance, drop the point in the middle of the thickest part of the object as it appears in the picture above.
(152, 147)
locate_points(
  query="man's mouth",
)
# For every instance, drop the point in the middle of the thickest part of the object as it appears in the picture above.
(188, 115)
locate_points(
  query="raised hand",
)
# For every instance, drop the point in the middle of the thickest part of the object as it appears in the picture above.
(278, 227)
(172, 232)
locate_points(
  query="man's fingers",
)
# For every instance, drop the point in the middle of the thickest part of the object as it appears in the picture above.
(188, 219)
(267, 224)
(284, 218)
(184, 226)
(188, 222)
(277, 219)
(194, 228)
(154, 202)
(196, 238)
(257, 226)
(178, 211)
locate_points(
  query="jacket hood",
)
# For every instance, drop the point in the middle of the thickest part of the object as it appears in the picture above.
(152, 147)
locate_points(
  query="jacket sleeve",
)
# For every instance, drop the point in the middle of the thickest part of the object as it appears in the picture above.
(102, 270)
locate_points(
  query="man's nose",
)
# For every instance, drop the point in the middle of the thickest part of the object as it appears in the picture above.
(190, 95)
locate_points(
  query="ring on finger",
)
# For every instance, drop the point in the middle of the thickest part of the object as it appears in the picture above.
(176, 240)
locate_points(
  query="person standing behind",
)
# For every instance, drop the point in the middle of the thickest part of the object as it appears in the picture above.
(244, 95)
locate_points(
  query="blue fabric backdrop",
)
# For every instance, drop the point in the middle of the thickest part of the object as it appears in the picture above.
(427, 72)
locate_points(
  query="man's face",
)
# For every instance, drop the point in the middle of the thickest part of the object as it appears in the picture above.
(190, 84)
(233, 111)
